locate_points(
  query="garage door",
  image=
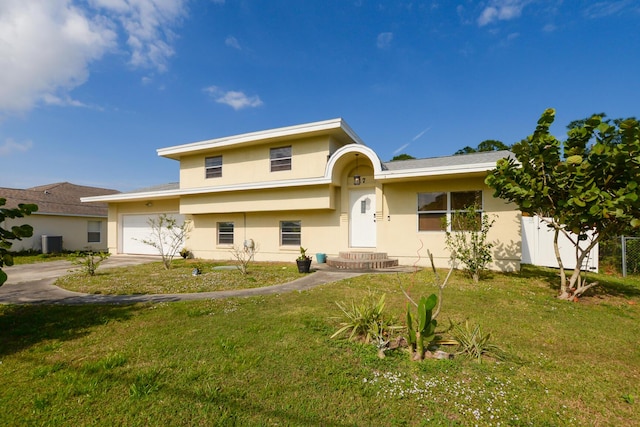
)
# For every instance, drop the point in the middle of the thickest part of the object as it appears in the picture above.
(135, 229)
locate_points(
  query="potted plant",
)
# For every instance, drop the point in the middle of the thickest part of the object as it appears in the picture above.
(303, 261)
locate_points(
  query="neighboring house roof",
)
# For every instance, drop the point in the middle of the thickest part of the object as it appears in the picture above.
(62, 198)
(337, 128)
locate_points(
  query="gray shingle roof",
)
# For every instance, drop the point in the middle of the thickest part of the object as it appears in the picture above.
(453, 161)
(62, 198)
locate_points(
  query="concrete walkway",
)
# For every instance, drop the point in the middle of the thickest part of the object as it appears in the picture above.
(33, 284)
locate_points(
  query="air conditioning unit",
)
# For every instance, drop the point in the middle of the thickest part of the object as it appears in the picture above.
(51, 244)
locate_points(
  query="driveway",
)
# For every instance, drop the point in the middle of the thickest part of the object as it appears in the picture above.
(33, 284)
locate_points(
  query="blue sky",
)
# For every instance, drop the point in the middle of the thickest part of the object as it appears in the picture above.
(89, 89)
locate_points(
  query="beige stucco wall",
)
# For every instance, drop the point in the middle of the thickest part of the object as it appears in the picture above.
(284, 199)
(398, 229)
(327, 230)
(320, 233)
(322, 209)
(74, 232)
(117, 210)
(242, 165)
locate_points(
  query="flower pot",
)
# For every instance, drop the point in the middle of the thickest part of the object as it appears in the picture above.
(304, 266)
(321, 258)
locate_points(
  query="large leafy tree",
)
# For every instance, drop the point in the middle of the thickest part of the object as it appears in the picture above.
(17, 232)
(585, 187)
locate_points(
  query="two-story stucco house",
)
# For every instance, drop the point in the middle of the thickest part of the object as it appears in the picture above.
(314, 185)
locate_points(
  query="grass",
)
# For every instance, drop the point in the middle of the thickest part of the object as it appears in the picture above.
(270, 360)
(152, 278)
(31, 257)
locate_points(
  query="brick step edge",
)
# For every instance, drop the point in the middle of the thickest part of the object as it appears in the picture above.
(349, 264)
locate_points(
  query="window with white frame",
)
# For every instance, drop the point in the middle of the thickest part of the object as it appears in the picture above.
(280, 158)
(290, 233)
(225, 233)
(213, 167)
(437, 207)
(94, 231)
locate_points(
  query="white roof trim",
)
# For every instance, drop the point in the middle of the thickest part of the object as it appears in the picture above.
(326, 125)
(434, 171)
(353, 148)
(123, 197)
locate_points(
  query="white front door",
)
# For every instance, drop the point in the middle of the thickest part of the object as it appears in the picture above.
(362, 220)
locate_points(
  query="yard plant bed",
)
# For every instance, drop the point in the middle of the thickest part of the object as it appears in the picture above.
(269, 360)
(152, 278)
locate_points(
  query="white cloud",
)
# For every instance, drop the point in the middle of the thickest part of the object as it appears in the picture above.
(606, 8)
(10, 146)
(501, 10)
(47, 46)
(384, 40)
(400, 149)
(418, 136)
(148, 27)
(232, 42)
(235, 99)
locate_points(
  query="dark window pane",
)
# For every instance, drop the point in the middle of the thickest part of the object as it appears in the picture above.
(225, 233)
(463, 199)
(430, 221)
(459, 223)
(93, 237)
(432, 201)
(280, 159)
(290, 233)
(213, 167)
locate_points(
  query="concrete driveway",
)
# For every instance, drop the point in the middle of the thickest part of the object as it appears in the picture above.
(33, 284)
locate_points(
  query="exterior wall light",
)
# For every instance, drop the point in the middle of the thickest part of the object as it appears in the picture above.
(356, 177)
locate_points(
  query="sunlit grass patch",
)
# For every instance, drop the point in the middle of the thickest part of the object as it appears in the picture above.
(152, 278)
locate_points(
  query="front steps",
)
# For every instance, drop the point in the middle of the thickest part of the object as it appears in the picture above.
(362, 261)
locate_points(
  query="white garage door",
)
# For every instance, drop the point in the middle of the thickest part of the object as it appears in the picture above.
(135, 229)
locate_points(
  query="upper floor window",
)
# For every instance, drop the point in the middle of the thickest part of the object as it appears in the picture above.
(213, 167)
(436, 208)
(225, 233)
(280, 159)
(94, 229)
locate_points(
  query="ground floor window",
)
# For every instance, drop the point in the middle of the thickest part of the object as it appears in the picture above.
(225, 233)
(290, 233)
(94, 229)
(437, 208)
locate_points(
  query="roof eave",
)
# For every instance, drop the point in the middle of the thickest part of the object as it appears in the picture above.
(435, 171)
(175, 152)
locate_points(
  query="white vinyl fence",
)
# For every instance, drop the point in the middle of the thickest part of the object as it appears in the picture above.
(537, 247)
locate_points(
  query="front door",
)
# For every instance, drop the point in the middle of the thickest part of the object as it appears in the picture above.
(362, 221)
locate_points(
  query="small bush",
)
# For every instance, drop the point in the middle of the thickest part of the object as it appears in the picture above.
(366, 320)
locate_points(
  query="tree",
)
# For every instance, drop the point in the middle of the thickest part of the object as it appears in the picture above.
(17, 232)
(467, 240)
(403, 156)
(587, 185)
(486, 145)
(167, 236)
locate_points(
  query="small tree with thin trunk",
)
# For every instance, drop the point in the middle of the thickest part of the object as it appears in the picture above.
(167, 236)
(586, 187)
(466, 239)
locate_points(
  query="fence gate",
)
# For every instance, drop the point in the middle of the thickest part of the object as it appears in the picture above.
(537, 247)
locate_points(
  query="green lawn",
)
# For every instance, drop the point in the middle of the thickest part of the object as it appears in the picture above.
(270, 361)
(152, 278)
